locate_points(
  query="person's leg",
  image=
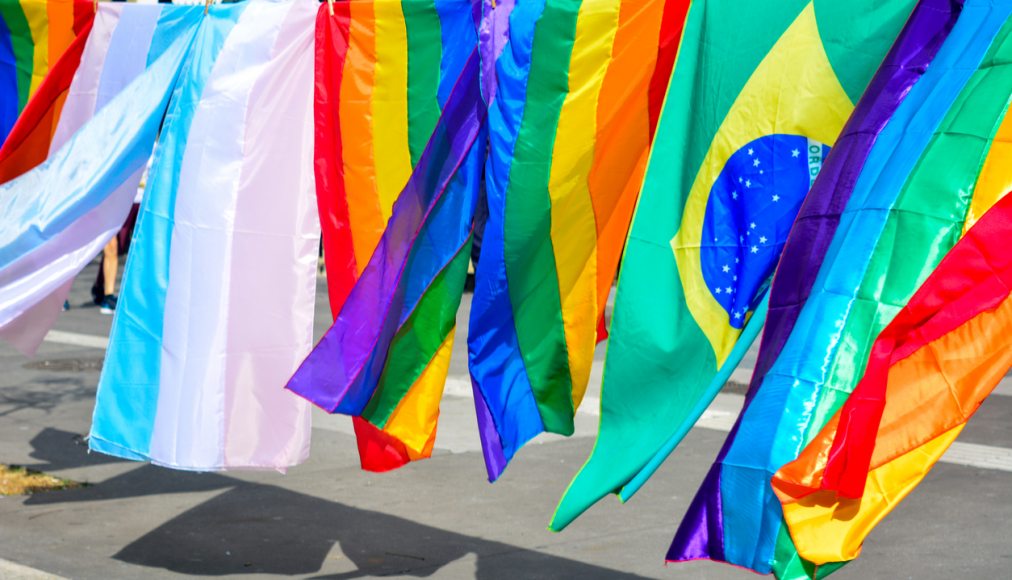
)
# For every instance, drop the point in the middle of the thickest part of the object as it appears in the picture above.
(110, 265)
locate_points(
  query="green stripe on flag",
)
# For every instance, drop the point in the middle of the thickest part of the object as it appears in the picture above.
(23, 46)
(419, 338)
(424, 35)
(530, 257)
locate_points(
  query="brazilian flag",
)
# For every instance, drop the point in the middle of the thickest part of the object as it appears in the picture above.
(759, 95)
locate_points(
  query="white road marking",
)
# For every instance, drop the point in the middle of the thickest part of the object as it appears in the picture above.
(14, 571)
(719, 417)
(1004, 388)
(75, 339)
(982, 456)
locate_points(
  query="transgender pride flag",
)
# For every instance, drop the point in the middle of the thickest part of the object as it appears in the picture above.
(216, 308)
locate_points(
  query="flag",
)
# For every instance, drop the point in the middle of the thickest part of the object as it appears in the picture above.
(578, 92)
(218, 297)
(33, 36)
(384, 72)
(891, 225)
(759, 94)
(127, 41)
(386, 356)
(385, 69)
(64, 211)
(30, 137)
(929, 371)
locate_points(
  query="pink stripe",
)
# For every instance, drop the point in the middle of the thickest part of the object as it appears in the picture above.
(236, 319)
(277, 236)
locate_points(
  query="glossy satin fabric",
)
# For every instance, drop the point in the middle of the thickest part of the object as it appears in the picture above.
(373, 118)
(207, 373)
(858, 287)
(570, 73)
(127, 399)
(50, 237)
(30, 137)
(817, 222)
(384, 72)
(34, 34)
(673, 344)
(343, 371)
(929, 371)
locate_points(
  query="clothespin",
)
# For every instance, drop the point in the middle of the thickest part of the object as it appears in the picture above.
(330, 7)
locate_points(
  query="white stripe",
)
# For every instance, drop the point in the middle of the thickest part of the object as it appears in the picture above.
(14, 571)
(982, 456)
(1004, 388)
(75, 339)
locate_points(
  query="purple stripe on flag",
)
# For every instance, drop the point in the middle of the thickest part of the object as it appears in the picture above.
(493, 34)
(495, 459)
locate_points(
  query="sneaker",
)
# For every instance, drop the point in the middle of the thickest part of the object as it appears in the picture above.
(108, 304)
(66, 305)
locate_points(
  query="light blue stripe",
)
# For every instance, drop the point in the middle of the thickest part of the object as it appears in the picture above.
(127, 400)
(772, 428)
(111, 147)
(173, 22)
(127, 55)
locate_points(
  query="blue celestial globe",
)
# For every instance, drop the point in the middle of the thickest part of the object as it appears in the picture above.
(749, 213)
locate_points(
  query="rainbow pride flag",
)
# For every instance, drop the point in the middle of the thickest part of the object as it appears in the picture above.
(65, 210)
(759, 94)
(578, 93)
(942, 356)
(192, 379)
(125, 44)
(386, 356)
(882, 233)
(384, 69)
(393, 334)
(29, 140)
(33, 36)
(384, 72)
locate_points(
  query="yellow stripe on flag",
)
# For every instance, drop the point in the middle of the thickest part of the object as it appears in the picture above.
(574, 229)
(390, 105)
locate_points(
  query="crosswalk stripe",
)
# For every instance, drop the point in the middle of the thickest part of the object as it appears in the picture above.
(75, 339)
(717, 417)
(15, 571)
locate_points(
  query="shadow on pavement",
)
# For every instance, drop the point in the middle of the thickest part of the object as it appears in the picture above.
(54, 391)
(58, 449)
(265, 529)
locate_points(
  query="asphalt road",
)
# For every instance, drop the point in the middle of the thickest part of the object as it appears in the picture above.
(437, 518)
